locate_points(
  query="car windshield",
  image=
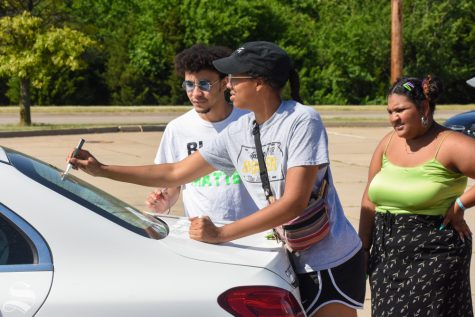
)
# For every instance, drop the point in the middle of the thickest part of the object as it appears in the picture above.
(88, 196)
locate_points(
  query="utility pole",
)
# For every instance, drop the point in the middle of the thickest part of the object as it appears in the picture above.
(396, 40)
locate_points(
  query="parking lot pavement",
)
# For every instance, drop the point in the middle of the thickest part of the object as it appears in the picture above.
(350, 153)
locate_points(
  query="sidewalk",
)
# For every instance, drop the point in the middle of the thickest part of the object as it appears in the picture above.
(350, 154)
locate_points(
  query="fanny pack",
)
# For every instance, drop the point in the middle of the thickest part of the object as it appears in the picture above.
(312, 225)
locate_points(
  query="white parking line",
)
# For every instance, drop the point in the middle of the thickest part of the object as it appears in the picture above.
(348, 135)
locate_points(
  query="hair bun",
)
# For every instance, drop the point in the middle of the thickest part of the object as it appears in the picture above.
(432, 87)
(426, 85)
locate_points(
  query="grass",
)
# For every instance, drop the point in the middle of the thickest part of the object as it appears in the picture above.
(182, 108)
(93, 109)
(46, 127)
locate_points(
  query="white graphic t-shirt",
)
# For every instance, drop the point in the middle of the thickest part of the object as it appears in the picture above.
(293, 136)
(217, 195)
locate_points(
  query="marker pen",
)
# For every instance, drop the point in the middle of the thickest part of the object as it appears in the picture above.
(75, 152)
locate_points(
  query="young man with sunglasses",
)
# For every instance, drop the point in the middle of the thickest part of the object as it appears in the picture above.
(216, 195)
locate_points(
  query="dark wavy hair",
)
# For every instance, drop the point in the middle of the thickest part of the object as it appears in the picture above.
(200, 57)
(417, 90)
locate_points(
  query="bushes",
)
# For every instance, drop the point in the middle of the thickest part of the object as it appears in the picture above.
(341, 48)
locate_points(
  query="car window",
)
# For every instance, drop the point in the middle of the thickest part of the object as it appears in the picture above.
(89, 196)
(14, 247)
(22, 248)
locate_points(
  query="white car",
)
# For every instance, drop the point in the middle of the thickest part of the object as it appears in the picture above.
(70, 249)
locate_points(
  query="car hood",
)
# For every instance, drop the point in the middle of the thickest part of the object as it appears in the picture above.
(255, 250)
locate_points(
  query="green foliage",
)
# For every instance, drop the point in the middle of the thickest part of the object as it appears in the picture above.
(340, 48)
(3, 91)
(13, 93)
(352, 52)
(440, 39)
(229, 22)
(28, 50)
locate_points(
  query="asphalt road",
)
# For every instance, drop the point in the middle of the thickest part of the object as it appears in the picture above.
(350, 154)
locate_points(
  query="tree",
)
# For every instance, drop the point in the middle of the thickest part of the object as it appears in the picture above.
(340, 48)
(349, 58)
(439, 39)
(31, 50)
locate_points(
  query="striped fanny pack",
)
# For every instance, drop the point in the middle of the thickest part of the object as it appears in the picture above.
(312, 225)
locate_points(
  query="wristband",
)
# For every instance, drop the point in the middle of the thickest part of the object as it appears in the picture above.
(459, 202)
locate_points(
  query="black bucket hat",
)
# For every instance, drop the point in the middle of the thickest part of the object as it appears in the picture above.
(263, 58)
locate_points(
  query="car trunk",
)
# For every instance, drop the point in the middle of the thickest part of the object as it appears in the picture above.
(255, 250)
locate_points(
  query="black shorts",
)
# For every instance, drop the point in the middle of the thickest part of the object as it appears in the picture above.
(344, 284)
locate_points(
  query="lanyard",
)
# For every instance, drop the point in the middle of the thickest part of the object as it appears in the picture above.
(262, 164)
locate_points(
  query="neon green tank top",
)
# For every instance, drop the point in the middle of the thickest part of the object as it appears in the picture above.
(426, 189)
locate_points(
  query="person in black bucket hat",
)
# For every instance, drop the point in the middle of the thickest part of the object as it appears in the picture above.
(280, 150)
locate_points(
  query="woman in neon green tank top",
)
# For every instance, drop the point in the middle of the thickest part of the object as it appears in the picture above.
(412, 214)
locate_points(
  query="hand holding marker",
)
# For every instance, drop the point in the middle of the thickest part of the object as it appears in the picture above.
(75, 152)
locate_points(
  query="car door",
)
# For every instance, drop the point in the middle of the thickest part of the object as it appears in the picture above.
(26, 269)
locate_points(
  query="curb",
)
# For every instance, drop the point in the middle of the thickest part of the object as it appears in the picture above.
(132, 128)
(148, 128)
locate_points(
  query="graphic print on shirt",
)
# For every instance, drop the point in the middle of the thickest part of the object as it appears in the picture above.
(249, 165)
(193, 146)
(217, 178)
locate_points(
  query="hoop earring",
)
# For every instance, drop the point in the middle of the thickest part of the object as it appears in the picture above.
(424, 121)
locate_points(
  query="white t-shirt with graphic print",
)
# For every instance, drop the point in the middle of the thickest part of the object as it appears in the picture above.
(293, 136)
(217, 195)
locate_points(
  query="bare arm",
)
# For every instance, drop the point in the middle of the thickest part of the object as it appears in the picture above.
(298, 186)
(458, 154)
(367, 213)
(161, 175)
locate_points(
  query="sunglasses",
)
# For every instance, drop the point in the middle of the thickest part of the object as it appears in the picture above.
(232, 79)
(202, 85)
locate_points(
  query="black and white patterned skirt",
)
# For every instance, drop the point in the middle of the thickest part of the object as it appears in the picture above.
(415, 269)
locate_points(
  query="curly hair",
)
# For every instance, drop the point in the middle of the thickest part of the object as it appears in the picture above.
(200, 57)
(417, 90)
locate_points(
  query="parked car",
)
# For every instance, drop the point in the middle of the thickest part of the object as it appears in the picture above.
(463, 122)
(70, 249)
